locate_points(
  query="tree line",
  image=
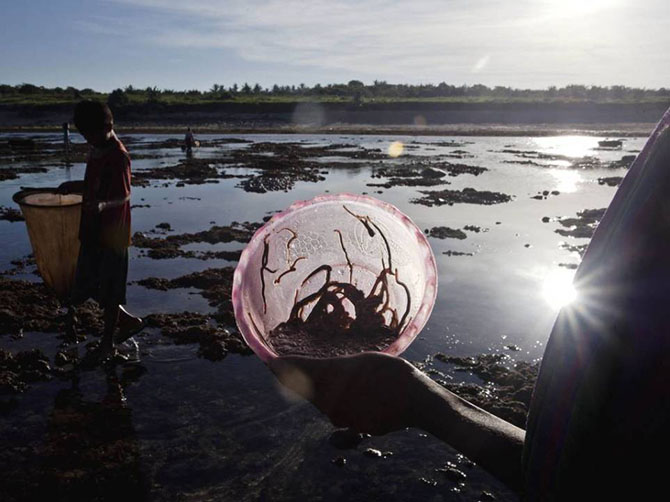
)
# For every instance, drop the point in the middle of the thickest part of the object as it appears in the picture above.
(354, 90)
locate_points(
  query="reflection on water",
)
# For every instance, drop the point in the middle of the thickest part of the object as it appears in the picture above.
(566, 181)
(91, 450)
(221, 430)
(87, 448)
(571, 146)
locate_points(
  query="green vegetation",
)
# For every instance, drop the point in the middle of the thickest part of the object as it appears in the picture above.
(353, 92)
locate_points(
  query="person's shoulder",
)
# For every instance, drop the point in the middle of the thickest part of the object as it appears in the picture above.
(119, 153)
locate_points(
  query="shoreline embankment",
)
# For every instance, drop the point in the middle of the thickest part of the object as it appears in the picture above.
(394, 118)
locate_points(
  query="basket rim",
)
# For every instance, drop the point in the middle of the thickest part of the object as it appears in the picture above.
(19, 198)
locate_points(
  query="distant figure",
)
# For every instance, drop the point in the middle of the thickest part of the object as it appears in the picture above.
(189, 141)
(66, 137)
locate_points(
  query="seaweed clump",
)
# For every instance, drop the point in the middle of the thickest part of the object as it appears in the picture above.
(342, 319)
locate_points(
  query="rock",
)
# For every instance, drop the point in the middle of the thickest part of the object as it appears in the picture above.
(371, 452)
(506, 391)
(345, 439)
(431, 172)
(583, 226)
(456, 253)
(611, 181)
(18, 370)
(339, 461)
(61, 359)
(446, 233)
(466, 196)
(31, 306)
(455, 475)
(169, 247)
(214, 341)
(10, 214)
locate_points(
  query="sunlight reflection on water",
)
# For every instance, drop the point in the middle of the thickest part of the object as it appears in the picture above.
(566, 181)
(572, 146)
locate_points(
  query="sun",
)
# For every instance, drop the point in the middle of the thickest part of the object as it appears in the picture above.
(558, 290)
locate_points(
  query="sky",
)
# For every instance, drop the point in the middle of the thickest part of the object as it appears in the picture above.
(193, 44)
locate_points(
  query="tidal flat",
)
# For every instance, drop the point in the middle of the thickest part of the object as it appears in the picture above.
(200, 417)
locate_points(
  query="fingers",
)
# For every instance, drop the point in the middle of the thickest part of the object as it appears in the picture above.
(365, 391)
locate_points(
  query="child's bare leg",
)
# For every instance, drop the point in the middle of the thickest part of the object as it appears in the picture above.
(70, 320)
(110, 317)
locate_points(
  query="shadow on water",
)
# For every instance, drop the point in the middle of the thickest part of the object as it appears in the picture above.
(89, 449)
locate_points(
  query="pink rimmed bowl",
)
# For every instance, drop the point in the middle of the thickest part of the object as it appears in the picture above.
(344, 232)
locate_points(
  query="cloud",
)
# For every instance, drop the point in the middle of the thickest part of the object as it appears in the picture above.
(422, 40)
(361, 36)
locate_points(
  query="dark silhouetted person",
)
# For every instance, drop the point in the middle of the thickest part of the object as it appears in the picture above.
(102, 266)
(189, 141)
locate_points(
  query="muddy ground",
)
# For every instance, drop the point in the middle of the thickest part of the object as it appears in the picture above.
(30, 306)
(583, 225)
(279, 166)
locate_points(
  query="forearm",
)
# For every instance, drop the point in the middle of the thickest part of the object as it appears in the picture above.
(491, 442)
(109, 204)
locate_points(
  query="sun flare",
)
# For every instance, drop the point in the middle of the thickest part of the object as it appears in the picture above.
(396, 149)
(558, 290)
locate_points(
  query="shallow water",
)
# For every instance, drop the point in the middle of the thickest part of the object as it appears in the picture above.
(224, 430)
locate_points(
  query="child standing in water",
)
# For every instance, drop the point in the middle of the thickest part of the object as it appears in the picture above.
(104, 232)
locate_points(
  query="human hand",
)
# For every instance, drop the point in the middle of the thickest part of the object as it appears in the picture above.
(65, 188)
(69, 187)
(370, 392)
(92, 206)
